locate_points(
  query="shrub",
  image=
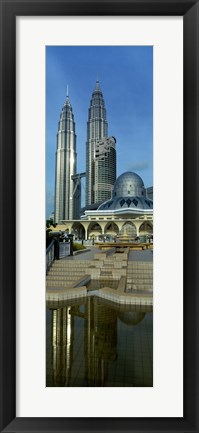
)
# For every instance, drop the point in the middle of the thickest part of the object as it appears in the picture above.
(77, 247)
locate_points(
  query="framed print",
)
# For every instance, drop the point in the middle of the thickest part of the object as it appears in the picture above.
(170, 28)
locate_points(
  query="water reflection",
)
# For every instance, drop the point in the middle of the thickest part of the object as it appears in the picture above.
(95, 343)
(100, 339)
(62, 345)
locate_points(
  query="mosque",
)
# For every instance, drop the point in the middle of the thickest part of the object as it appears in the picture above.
(127, 215)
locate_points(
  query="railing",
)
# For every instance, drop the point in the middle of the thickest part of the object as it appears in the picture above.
(64, 249)
(57, 250)
(50, 255)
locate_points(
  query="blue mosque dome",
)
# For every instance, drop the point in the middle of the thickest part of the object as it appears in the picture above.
(128, 193)
(128, 183)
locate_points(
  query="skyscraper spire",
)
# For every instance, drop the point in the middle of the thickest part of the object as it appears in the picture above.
(97, 128)
(65, 164)
(97, 86)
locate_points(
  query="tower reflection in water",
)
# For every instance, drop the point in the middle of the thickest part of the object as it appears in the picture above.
(94, 344)
(62, 345)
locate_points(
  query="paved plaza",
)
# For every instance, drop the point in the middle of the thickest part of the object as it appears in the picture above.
(138, 256)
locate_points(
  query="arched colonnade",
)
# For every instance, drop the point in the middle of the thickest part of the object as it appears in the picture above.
(96, 228)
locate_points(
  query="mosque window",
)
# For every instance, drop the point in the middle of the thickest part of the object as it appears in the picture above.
(122, 202)
(148, 203)
(135, 202)
(128, 202)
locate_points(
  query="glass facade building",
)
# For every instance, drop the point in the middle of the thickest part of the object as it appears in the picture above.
(97, 129)
(104, 169)
(65, 164)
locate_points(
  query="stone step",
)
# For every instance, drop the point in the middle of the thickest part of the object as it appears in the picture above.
(139, 286)
(68, 265)
(71, 262)
(59, 278)
(62, 283)
(65, 272)
(133, 263)
(102, 272)
(129, 281)
(139, 280)
(145, 266)
(68, 269)
(140, 292)
(140, 277)
(112, 258)
(76, 281)
(138, 265)
(142, 272)
(139, 272)
(57, 268)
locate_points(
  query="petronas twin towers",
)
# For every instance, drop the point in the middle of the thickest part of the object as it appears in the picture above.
(100, 159)
(66, 157)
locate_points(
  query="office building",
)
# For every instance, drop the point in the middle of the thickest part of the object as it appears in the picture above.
(65, 165)
(104, 169)
(97, 129)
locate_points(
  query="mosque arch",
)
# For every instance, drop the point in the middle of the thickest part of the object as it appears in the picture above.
(78, 230)
(94, 230)
(111, 228)
(128, 229)
(146, 228)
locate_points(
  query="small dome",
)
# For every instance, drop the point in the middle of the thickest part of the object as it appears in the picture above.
(128, 195)
(128, 184)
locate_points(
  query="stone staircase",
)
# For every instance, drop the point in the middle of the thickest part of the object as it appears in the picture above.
(112, 268)
(131, 276)
(139, 276)
(67, 279)
(65, 273)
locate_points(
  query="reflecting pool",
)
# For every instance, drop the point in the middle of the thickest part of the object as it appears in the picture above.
(95, 343)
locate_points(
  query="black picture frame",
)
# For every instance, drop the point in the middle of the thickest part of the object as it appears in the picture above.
(189, 9)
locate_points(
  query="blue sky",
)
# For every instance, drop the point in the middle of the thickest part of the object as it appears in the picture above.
(126, 79)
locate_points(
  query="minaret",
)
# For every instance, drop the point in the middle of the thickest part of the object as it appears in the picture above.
(65, 164)
(97, 129)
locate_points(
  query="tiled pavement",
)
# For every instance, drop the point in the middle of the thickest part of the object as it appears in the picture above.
(145, 255)
(141, 256)
(88, 255)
